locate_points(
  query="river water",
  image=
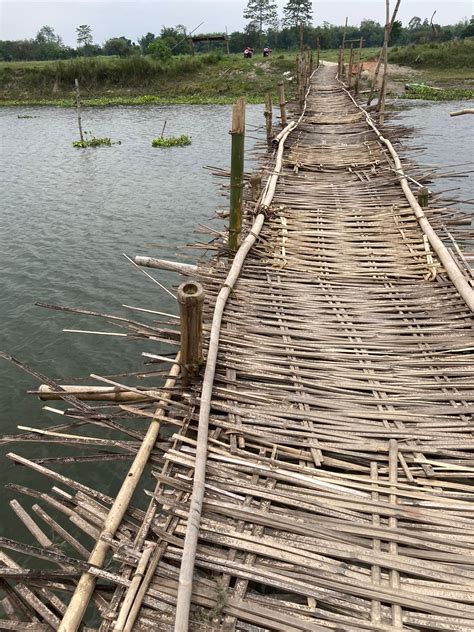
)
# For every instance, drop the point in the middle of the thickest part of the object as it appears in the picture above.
(67, 215)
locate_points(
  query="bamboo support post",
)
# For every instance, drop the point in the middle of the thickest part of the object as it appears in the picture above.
(383, 89)
(268, 118)
(256, 186)
(318, 49)
(340, 64)
(423, 196)
(83, 593)
(237, 174)
(282, 102)
(379, 61)
(359, 68)
(349, 72)
(190, 299)
(78, 106)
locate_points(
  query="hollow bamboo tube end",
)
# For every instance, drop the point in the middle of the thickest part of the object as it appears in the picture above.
(190, 298)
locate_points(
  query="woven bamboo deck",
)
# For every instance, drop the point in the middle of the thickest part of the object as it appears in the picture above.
(339, 489)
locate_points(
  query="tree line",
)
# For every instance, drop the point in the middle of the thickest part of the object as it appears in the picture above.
(263, 28)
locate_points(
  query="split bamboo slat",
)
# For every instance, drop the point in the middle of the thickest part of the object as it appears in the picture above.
(317, 473)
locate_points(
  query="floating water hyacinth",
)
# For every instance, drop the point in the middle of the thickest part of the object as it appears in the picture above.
(171, 141)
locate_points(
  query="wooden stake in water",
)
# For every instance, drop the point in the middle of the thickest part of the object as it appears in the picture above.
(383, 89)
(423, 196)
(190, 299)
(237, 174)
(282, 102)
(268, 118)
(78, 105)
(163, 130)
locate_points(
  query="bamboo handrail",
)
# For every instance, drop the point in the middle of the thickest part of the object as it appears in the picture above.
(450, 265)
(184, 596)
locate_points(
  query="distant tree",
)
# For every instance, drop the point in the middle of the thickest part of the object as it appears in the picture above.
(415, 23)
(372, 32)
(159, 50)
(297, 13)
(175, 38)
(84, 35)
(145, 40)
(261, 12)
(468, 31)
(120, 46)
(46, 35)
(396, 32)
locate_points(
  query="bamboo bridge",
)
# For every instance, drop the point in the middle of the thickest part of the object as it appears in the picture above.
(316, 473)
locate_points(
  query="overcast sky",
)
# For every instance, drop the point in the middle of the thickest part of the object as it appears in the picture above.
(22, 20)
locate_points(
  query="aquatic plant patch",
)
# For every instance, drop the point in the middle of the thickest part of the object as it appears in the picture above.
(94, 142)
(171, 141)
(437, 94)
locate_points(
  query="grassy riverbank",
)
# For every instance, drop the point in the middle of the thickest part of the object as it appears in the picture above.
(216, 79)
(138, 80)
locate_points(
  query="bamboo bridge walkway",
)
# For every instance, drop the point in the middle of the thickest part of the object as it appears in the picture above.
(338, 490)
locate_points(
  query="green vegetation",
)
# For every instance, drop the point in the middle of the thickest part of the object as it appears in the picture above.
(94, 142)
(438, 94)
(201, 79)
(455, 54)
(171, 141)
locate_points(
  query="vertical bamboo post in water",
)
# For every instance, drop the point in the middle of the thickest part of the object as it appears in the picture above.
(383, 89)
(190, 299)
(282, 103)
(349, 73)
(359, 67)
(237, 173)
(268, 118)
(78, 105)
(256, 186)
(423, 196)
(318, 48)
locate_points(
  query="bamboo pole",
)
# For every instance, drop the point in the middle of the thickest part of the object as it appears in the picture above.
(340, 65)
(359, 68)
(83, 593)
(90, 393)
(383, 90)
(187, 269)
(78, 106)
(237, 174)
(268, 118)
(379, 61)
(318, 49)
(349, 72)
(190, 299)
(461, 112)
(282, 102)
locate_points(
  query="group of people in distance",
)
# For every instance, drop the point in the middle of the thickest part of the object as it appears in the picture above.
(248, 51)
